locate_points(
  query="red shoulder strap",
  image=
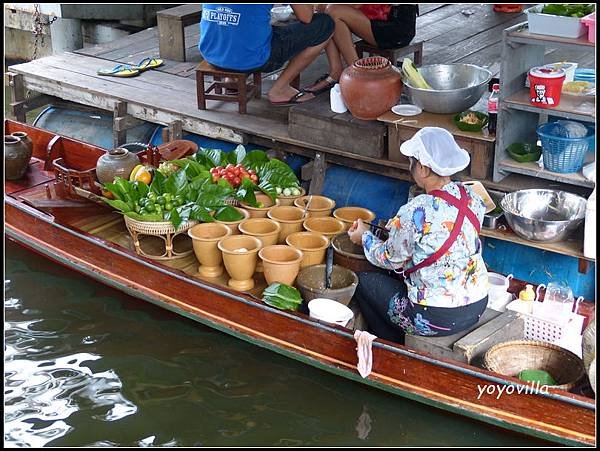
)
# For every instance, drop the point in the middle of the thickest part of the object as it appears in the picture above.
(463, 211)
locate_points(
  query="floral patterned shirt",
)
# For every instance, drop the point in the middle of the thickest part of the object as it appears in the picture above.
(419, 229)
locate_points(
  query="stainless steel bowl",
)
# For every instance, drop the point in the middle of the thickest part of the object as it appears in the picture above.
(456, 87)
(543, 214)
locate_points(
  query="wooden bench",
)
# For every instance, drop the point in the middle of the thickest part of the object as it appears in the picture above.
(394, 54)
(171, 25)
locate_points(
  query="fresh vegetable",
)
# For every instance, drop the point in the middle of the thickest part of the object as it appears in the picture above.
(282, 296)
(569, 10)
(141, 173)
(412, 75)
(233, 174)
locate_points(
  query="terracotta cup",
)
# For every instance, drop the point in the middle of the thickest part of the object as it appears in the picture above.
(256, 212)
(281, 263)
(240, 265)
(265, 229)
(350, 214)
(327, 226)
(233, 225)
(319, 205)
(289, 218)
(313, 246)
(289, 200)
(205, 238)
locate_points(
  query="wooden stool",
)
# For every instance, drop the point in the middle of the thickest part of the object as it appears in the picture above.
(244, 92)
(394, 54)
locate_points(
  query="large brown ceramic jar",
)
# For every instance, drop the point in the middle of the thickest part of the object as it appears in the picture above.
(16, 157)
(370, 87)
(117, 162)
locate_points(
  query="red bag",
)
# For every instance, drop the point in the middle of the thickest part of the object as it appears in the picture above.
(376, 12)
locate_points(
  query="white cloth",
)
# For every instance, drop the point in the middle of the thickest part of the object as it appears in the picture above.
(436, 148)
(364, 341)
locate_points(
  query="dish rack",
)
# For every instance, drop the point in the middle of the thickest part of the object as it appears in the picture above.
(564, 331)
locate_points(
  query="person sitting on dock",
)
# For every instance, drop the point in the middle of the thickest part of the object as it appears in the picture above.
(433, 243)
(240, 37)
(382, 25)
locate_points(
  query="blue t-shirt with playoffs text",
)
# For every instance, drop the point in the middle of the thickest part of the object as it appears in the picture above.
(236, 36)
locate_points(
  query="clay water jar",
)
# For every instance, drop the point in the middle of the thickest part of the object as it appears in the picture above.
(281, 263)
(370, 87)
(289, 200)
(240, 265)
(319, 205)
(289, 218)
(16, 157)
(256, 212)
(265, 229)
(25, 138)
(327, 226)
(117, 162)
(205, 238)
(233, 225)
(350, 214)
(313, 246)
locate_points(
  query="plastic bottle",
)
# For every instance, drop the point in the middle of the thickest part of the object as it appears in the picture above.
(589, 239)
(493, 108)
(527, 294)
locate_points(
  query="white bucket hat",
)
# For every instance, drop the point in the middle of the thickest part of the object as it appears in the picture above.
(436, 148)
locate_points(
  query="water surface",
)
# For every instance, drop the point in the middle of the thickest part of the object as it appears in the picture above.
(86, 365)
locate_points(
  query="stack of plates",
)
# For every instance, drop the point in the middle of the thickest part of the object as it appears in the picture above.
(588, 75)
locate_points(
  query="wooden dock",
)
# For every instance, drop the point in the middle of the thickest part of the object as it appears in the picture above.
(467, 33)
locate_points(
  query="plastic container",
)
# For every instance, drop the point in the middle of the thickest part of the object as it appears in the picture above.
(563, 155)
(589, 239)
(493, 108)
(330, 311)
(549, 24)
(545, 86)
(590, 21)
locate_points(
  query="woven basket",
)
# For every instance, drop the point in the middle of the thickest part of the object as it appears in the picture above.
(512, 357)
(164, 230)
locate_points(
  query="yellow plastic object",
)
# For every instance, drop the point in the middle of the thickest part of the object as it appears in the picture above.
(527, 294)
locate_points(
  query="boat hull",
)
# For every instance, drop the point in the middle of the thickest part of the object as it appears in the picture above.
(559, 417)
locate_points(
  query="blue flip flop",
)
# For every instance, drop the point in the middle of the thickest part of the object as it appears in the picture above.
(122, 70)
(148, 63)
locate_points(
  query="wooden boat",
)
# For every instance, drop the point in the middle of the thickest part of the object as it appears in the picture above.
(93, 240)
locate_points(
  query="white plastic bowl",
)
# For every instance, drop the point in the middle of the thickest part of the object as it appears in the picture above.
(330, 311)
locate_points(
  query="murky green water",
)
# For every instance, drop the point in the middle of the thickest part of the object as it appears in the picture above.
(86, 366)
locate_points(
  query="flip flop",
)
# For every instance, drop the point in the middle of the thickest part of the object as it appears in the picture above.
(148, 63)
(330, 84)
(293, 100)
(122, 70)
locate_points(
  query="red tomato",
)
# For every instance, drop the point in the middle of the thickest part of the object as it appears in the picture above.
(238, 166)
(215, 178)
(237, 181)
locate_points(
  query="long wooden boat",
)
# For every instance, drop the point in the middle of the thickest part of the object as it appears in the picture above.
(93, 240)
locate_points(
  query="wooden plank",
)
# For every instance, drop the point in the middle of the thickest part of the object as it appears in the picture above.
(119, 135)
(575, 178)
(453, 22)
(119, 44)
(572, 107)
(426, 8)
(318, 174)
(190, 13)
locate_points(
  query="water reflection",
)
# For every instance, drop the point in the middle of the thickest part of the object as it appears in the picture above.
(87, 366)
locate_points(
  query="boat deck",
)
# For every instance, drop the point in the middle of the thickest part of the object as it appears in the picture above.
(466, 33)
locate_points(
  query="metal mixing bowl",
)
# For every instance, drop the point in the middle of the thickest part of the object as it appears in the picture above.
(456, 87)
(543, 214)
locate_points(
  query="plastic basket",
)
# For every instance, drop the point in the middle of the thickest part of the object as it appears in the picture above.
(551, 25)
(563, 155)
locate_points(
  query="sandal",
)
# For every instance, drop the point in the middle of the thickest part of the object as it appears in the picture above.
(122, 70)
(330, 84)
(294, 100)
(148, 63)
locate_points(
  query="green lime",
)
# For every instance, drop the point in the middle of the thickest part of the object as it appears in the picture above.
(152, 196)
(161, 200)
(168, 197)
(151, 207)
(168, 206)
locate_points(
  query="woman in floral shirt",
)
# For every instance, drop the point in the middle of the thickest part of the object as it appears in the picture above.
(433, 243)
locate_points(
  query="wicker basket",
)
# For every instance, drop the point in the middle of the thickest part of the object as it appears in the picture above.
(163, 230)
(512, 357)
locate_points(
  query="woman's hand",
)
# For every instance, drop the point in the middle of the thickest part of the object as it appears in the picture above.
(356, 231)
